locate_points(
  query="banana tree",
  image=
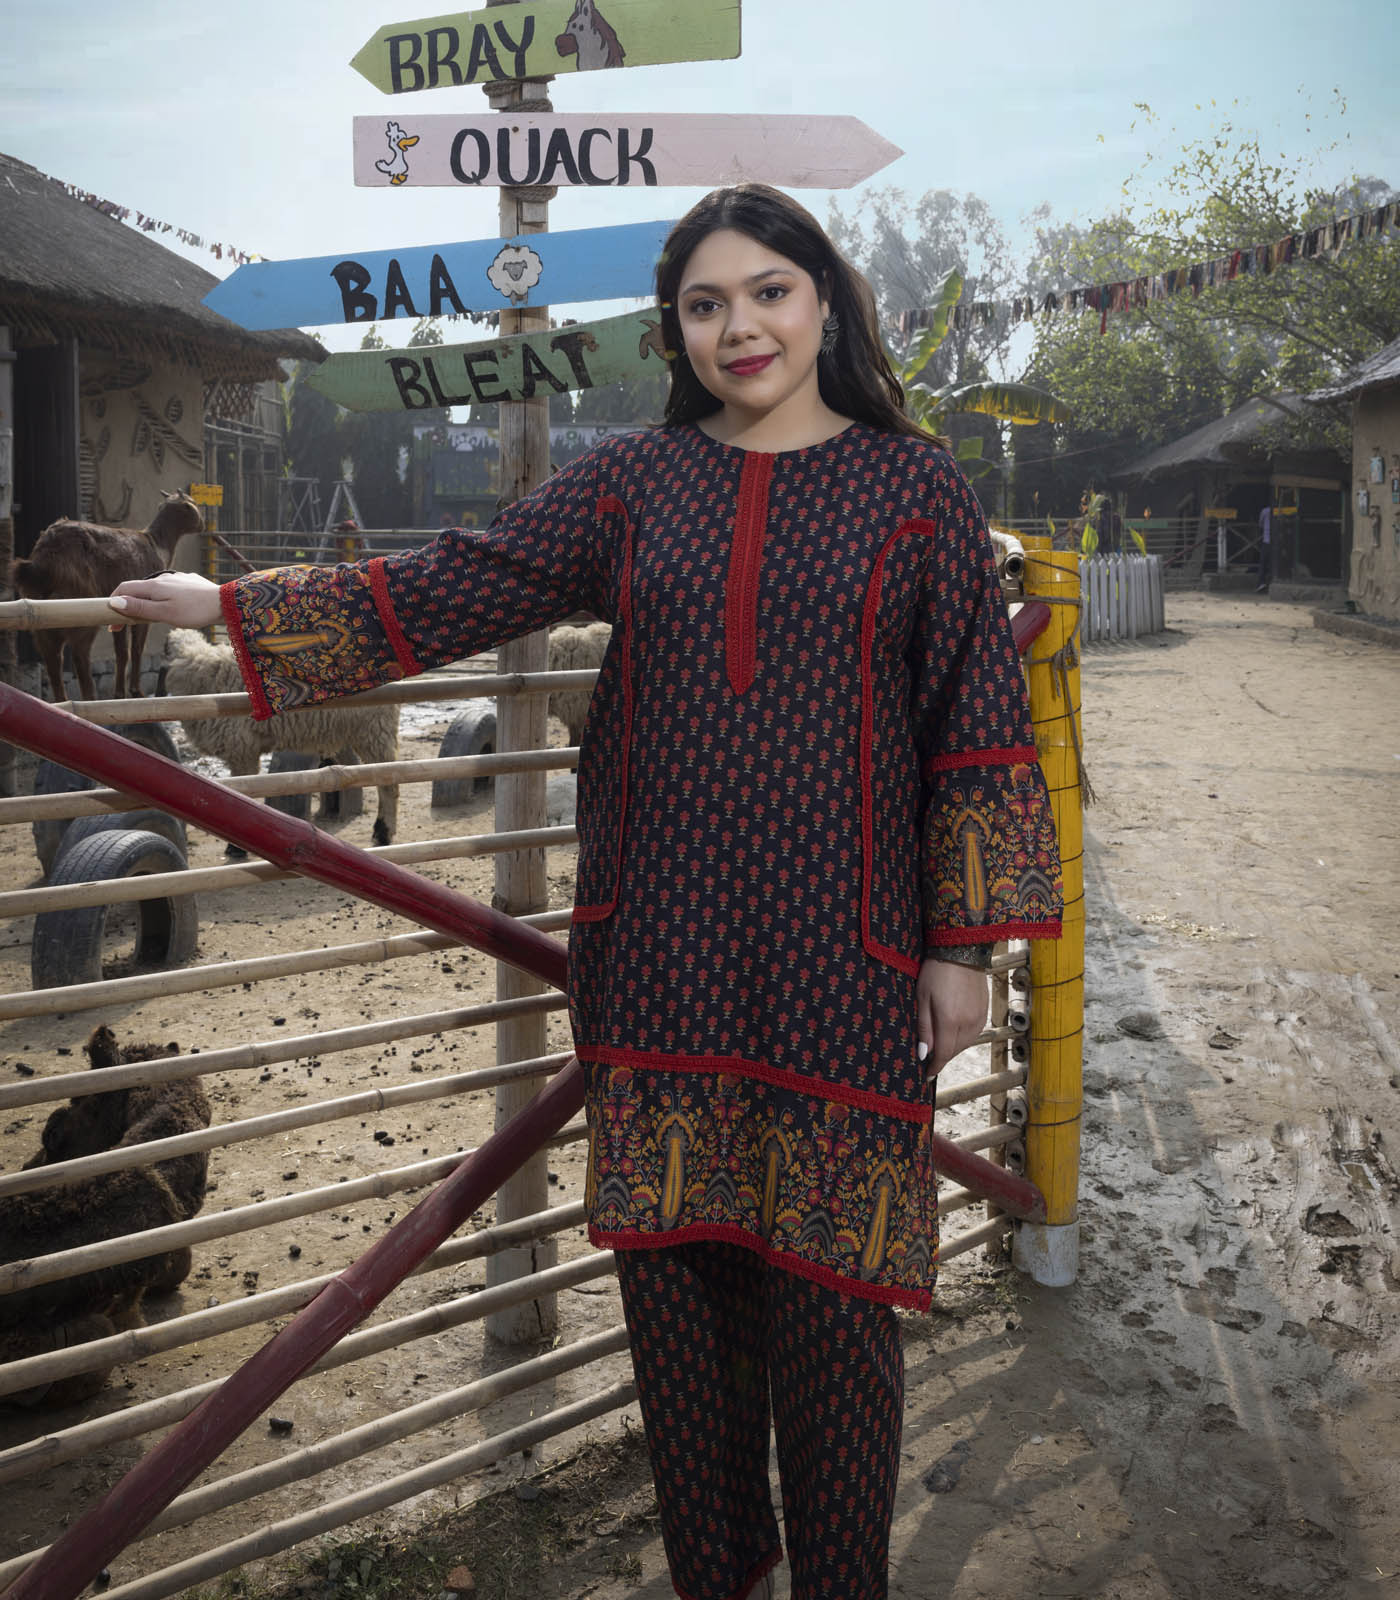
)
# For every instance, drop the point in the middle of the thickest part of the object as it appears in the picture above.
(929, 407)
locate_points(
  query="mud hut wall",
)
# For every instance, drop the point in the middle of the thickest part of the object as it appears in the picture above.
(1374, 578)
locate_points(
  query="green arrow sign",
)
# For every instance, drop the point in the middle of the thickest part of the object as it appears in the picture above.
(549, 36)
(576, 357)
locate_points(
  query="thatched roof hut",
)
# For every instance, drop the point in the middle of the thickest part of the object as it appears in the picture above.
(1265, 452)
(110, 365)
(67, 271)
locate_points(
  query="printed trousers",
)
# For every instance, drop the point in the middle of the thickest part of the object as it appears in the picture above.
(714, 1329)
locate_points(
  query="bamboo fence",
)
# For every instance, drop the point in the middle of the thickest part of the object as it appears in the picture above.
(585, 1376)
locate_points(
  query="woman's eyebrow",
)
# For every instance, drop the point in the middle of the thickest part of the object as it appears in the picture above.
(757, 277)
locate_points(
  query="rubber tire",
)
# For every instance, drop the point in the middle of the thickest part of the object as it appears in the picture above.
(148, 821)
(50, 778)
(67, 945)
(336, 804)
(471, 733)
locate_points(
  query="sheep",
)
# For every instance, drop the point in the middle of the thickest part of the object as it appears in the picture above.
(102, 1300)
(370, 733)
(77, 560)
(573, 650)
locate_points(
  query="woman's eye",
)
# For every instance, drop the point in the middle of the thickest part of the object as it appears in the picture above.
(772, 291)
(701, 308)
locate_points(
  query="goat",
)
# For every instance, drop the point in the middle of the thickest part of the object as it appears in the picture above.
(573, 650)
(371, 733)
(99, 1302)
(78, 560)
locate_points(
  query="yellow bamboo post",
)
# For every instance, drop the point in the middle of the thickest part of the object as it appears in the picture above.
(1049, 1251)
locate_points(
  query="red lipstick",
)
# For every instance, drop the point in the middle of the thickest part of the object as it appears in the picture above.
(746, 366)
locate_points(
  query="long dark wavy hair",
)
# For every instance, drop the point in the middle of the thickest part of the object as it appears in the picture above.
(856, 379)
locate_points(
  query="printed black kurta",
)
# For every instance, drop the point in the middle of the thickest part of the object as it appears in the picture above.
(808, 764)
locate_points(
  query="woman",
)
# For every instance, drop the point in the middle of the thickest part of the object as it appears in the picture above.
(808, 805)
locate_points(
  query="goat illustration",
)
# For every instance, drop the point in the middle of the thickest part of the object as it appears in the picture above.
(589, 36)
(395, 169)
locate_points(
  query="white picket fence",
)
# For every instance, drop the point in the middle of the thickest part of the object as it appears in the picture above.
(1122, 597)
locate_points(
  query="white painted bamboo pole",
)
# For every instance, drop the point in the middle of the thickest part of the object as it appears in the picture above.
(211, 880)
(312, 1115)
(223, 974)
(407, 691)
(315, 780)
(982, 1234)
(196, 1327)
(244, 1057)
(28, 1272)
(278, 1536)
(299, 1465)
(989, 1138)
(36, 1454)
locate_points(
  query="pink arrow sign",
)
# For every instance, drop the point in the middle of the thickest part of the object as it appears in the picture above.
(606, 150)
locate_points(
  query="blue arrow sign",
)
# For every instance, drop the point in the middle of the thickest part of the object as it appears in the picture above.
(432, 280)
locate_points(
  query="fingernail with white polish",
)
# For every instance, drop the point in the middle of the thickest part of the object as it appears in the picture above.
(117, 602)
(923, 1049)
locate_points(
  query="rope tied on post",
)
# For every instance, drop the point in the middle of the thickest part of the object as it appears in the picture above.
(1061, 662)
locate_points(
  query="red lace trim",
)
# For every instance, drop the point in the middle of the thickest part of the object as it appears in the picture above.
(607, 504)
(252, 678)
(745, 563)
(881, 952)
(1007, 756)
(379, 588)
(731, 1233)
(994, 932)
(913, 1111)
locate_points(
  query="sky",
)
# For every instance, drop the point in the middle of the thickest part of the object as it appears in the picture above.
(235, 121)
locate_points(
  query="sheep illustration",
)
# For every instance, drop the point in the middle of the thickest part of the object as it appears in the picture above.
(515, 271)
(395, 169)
(589, 37)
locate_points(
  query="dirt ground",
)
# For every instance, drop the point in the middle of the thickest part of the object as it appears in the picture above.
(1212, 1410)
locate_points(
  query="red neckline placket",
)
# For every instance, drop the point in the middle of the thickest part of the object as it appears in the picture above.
(745, 565)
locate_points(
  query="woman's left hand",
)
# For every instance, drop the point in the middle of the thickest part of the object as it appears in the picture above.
(952, 1011)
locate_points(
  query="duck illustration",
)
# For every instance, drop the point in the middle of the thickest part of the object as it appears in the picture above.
(395, 169)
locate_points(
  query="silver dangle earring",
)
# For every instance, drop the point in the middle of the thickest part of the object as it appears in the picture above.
(831, 331)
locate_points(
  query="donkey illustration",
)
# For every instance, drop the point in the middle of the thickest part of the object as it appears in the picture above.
(588, 36)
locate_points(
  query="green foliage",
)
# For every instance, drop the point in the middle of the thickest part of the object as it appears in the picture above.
(1156, 373)
(1136, 536)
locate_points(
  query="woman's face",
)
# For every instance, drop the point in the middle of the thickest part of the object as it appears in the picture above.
(751, 322)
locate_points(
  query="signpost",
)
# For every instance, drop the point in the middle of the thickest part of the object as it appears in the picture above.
(537, 40)
(432, 280)
(525, 367)
(610, 151)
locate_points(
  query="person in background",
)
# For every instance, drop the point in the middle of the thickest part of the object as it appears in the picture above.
(809, 804)
(1266, 549)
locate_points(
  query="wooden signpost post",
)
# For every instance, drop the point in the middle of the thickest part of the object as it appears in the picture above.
(541, 38)
(611, 151)
(432, 280)
(523, 367)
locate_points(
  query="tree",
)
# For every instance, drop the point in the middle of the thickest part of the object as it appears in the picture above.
(1153, 374)
(907, 251)
(640, 399)
(936, 408)
(371, 448)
